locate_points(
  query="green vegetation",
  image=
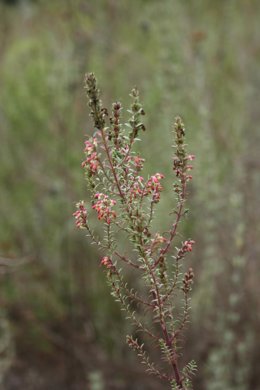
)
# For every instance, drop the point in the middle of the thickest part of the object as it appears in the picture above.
(199, 59)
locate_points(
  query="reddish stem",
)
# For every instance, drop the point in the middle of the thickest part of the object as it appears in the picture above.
(150, 268)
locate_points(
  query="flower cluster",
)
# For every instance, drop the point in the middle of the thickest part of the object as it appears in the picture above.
(137, 188)
(90, 147)
(138, 163)
(188, 246)
(92, 161)
(154, 187)
(103, 207)
(80, 215)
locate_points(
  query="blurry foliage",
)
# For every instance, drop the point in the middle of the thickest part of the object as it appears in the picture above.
(199, 59)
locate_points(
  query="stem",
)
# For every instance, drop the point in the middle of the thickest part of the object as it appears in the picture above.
(129, 262)
(111, 164)
(173, 231)
(166, 336)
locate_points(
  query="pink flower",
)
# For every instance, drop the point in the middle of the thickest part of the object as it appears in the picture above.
(188, 177)
(90, 146)
(92, 161)
(103, 207)
(137, 188)
(154, 187)
(107, 262)
(188, 245)
(80, 215)
(138, 163)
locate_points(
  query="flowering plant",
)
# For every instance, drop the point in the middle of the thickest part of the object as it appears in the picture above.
(125, 202)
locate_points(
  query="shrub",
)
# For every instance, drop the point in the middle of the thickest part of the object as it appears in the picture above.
(125, 203)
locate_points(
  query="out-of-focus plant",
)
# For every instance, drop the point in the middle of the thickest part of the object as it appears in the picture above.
(6, 346)
(224, 194)
(96, 381)
(125, 203)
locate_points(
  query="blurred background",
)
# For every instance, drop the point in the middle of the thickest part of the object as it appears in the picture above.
(59, 326)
